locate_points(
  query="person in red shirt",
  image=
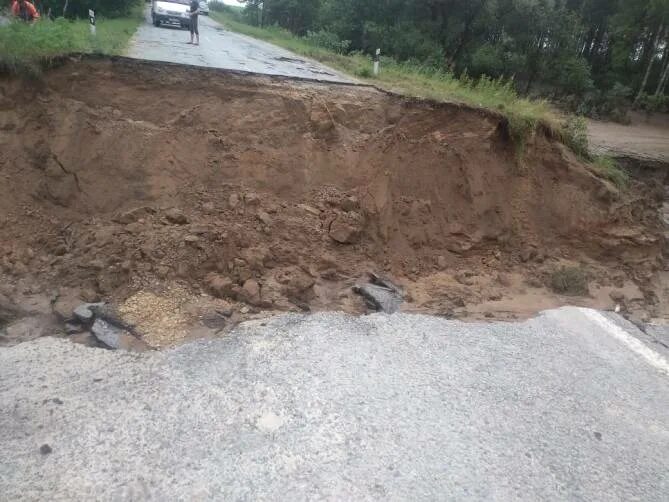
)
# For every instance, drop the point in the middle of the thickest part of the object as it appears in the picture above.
(25, 10)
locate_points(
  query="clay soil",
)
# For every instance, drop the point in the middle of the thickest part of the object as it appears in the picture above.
(187, 191)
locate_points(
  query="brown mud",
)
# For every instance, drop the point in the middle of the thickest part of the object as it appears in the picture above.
(129, 181)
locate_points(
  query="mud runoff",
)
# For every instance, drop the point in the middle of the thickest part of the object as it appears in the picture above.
(190, 199)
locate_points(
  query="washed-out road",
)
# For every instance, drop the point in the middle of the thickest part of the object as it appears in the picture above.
(572, 405)
(220, 48)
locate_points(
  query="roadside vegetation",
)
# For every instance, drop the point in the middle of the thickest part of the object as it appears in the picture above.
(608, 168)
(593, 57)
(24, 48)
(569, 281)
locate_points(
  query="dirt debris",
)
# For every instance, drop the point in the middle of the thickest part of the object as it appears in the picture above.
(161, 319)
(244, 190)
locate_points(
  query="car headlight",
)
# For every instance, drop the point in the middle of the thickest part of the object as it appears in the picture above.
(184, 14)
(160, 10)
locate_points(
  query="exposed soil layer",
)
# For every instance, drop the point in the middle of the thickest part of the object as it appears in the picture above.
(123, 180)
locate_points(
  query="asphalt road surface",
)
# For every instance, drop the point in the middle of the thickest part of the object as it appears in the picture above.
(220, 48)
(571, 405)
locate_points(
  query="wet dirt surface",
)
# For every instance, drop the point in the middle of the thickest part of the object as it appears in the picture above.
(193, 197)
(645, 138)
(220, 48)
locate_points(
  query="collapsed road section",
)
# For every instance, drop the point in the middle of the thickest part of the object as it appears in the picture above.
(177, 194)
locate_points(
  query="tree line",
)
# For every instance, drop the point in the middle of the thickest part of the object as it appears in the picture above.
(591, 53)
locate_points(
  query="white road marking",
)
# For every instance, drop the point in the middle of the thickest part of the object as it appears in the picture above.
(632, 343)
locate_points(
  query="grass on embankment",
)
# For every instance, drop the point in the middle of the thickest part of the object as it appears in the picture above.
(523, 114)
(24, 47)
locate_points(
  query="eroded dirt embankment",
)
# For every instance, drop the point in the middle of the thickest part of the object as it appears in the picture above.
(127, 181)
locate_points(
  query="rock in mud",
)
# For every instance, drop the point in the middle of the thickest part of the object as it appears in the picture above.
(349, 203)
(309, 209)
(176, 216)
(381, 294)
(84, 338)
(117, 338)
(617, 296)
(29, 328)
(346, 229)
(380, 298)
(252, 199)
(295, 282)
(72, 328)
(250, 292)
(264, 218)
(65, 305)
(214, 320)
(459, 246)
(133, 215)
(527, 255)
(218, 285)
(84, 313)
(8, 311)
(233, 201)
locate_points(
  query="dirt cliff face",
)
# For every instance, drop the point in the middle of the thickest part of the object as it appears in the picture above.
(121, 176)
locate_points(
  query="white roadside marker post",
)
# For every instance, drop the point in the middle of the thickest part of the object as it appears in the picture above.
(376, 62)
(91, 17)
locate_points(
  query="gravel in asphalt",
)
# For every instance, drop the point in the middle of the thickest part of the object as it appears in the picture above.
(566, 406)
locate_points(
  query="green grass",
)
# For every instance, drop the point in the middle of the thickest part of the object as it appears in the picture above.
(608, 168)
(24, 47)
(524, 115)
(570, 281)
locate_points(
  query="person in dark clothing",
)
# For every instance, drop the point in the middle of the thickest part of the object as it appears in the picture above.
(194, 32)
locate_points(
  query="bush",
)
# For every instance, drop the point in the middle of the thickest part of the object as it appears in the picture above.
(488, 60)
(613, 104)
(404, 42)
(573, 75)
(608, 168)
(21, 45)
(575, 136)
(570, 281)
(217, 6)
(79, 8)
(653, 104)
(327, 40)
(25, 48)
(364, 72)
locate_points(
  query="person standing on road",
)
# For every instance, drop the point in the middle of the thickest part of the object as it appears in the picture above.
(25, 11)
(194, 31)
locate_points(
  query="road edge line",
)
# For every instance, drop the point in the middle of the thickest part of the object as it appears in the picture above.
(631, 342)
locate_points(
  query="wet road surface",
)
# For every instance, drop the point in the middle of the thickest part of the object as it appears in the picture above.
(220, 48)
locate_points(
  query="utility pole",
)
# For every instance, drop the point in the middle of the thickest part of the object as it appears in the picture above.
(91, 18)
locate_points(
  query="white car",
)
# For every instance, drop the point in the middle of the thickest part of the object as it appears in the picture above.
(204, 8)
(171, 11)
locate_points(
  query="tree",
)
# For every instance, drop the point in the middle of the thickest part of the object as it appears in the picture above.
(555, 47)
